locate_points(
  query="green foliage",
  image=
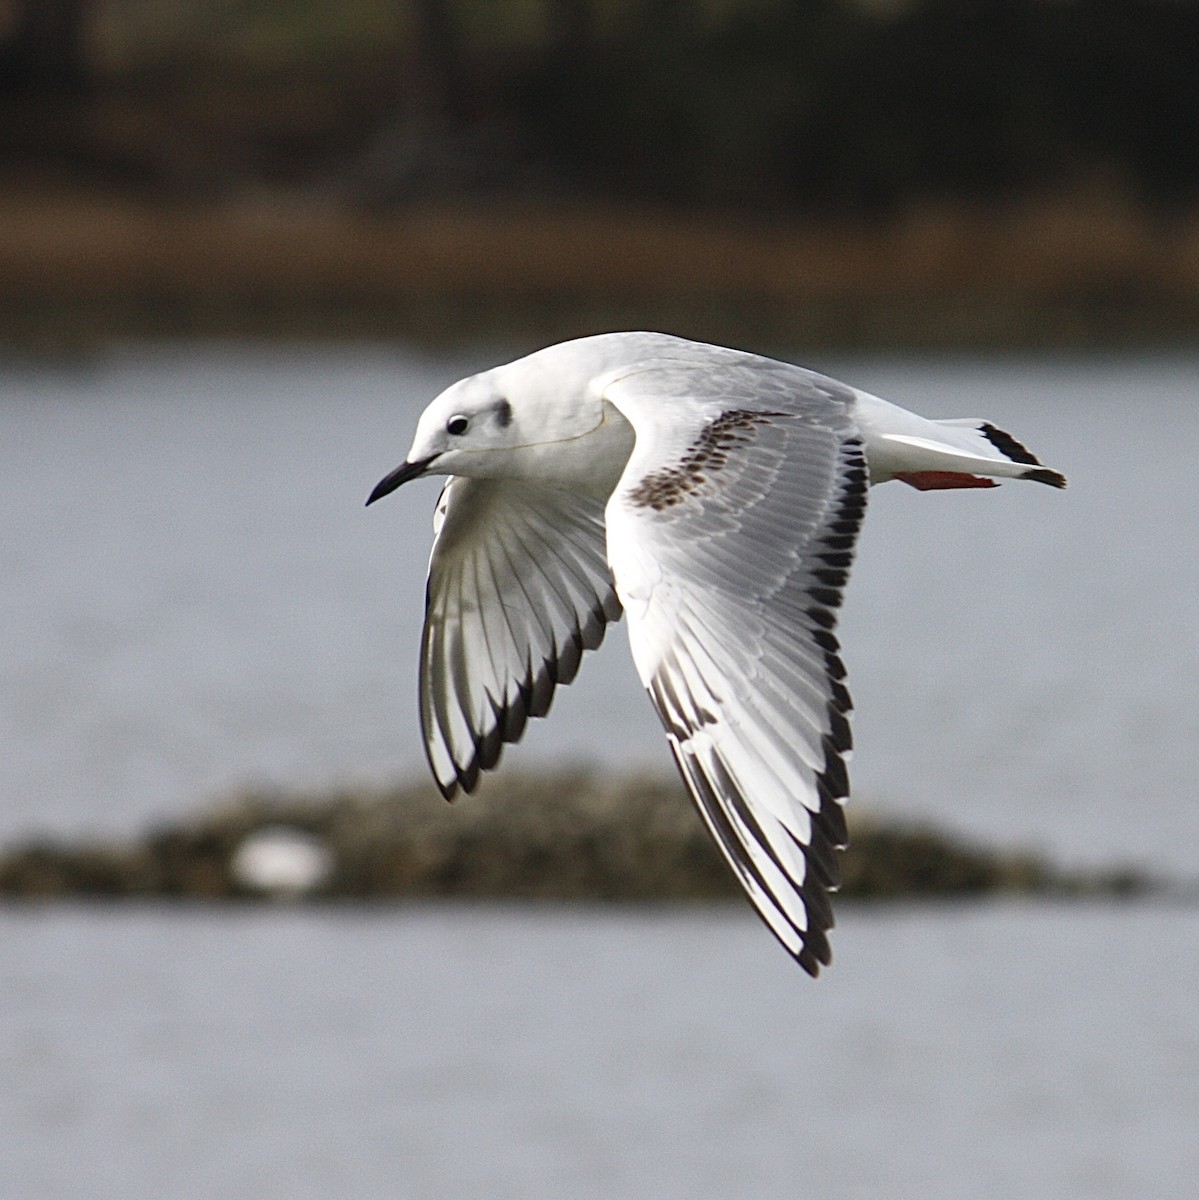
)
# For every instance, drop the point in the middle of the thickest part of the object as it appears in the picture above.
(133, 38)
(835, 105)
(823, 106)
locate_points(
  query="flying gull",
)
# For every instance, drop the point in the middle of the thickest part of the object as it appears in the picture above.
(715, 497)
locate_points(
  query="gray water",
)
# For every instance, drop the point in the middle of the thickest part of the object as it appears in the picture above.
(194, 600)
(447, 1053)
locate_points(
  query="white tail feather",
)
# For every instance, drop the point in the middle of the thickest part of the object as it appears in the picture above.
(900, 443)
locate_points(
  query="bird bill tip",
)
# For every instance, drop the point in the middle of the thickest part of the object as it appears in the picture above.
(402, 474)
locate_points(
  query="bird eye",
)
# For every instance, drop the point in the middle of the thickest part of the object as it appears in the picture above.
(456, 425)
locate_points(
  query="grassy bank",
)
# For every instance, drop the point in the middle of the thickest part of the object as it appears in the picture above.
(77, 268)
(578, 837)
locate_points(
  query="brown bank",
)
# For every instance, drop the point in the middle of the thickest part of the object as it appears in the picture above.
(79, 266)
(549, 837)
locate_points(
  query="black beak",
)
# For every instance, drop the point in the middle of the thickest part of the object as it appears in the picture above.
(404, 472)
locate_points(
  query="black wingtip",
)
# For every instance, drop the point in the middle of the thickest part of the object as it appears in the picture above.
(1045, 475)
(1018, 453)
(1007, 445)
(814, 953)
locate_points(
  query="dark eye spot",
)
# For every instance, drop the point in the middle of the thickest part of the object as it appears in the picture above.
(456, 425)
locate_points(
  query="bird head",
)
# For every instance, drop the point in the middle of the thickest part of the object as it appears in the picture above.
(527, 419)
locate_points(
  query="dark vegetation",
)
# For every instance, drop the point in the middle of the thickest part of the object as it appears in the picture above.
(829, 106)
(547, 837)
(886, 171)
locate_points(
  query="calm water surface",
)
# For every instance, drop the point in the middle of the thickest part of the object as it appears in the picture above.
(443, 1053)
(193, 598)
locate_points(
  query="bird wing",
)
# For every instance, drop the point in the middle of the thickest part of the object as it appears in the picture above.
(730, 537)
(518, 588)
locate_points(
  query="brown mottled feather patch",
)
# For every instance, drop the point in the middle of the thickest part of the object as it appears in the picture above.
(669, 486)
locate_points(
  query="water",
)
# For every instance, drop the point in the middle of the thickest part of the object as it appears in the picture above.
(453, 1053)
(193, 598)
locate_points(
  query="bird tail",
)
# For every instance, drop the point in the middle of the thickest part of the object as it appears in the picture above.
(930, 455)
(973, 453)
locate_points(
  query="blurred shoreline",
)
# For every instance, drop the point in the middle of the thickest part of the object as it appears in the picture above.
(552, 836)
(80, 267)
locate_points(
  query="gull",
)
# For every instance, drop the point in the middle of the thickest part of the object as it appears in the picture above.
(715, 497)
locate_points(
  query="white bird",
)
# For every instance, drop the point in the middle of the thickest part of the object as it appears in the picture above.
(282, 861)
(713, 495)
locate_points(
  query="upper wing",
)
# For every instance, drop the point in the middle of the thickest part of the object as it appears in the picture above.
(518, 588)
(730, 538)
